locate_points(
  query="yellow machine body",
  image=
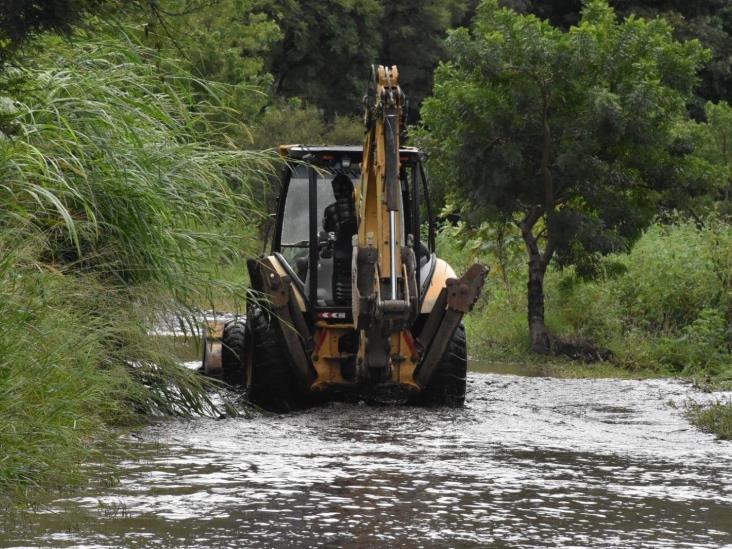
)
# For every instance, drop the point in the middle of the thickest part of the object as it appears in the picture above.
(326, 358)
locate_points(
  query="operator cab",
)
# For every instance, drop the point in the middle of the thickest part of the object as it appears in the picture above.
(316, 221)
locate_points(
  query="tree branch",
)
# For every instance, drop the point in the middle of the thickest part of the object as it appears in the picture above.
(159, 16)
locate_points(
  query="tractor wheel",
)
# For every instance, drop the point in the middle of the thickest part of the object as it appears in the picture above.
(273, 385)
(447, 386)
(233, 347)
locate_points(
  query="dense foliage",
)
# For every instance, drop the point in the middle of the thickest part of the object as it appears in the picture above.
(664, 307)
(20, 19)
(328, 46)
(714, 140)
(120, 200)
(578, 137)
(708, 20)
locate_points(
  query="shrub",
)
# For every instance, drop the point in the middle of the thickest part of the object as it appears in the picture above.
(670, 278)
(702, 346)
(667, 308)
(715, 418)
(295, 123)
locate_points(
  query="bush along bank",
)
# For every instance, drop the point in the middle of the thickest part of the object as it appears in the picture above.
(119, 192)
(715, 418)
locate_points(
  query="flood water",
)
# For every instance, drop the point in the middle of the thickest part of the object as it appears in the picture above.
(529, 462)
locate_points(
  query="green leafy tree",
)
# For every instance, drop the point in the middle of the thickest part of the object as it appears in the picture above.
(708, 20)
(223, 40)
(217, 41)
(292, 122)
(716, 138)
(20, 19)
(328, 46)
(325, 52)
(413, 34)
(573, 136)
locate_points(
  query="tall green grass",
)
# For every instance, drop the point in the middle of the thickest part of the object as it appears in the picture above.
(59, 380)
(113, 157)
(120, 194)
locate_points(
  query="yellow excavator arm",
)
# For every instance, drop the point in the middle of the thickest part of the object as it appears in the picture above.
(378, 196)
(384, 300)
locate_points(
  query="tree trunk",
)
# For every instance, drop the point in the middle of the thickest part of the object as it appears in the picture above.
(538, 262)
(537, 328)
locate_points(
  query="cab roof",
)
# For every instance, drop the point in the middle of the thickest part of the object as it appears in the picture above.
(354, 151)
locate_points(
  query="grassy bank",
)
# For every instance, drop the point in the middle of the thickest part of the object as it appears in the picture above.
(715, 418)
(664, 309)
(121, 197)
(553, 366)
(75, 360)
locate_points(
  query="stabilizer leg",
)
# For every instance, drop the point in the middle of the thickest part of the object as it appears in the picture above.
(456, 299)
(291, 325)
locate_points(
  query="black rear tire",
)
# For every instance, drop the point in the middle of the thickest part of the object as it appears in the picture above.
(273, 384)
(233, 348)
(448, 384)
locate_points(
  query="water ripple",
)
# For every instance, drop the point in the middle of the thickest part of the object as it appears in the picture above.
(529, 462)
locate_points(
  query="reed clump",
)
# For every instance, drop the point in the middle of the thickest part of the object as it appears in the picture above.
(120, 194)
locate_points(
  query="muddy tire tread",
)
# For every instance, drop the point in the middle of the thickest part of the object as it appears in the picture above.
(447, 386)
(232, 351)
(273, 384)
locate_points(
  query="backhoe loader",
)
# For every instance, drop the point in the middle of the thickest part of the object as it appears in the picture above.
(352, 300)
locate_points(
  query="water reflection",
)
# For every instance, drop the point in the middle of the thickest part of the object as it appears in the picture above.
(529, 462)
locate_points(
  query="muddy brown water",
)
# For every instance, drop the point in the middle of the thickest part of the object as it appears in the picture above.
(529, 462)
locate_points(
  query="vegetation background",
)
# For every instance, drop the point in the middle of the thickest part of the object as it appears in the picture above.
(135, 148)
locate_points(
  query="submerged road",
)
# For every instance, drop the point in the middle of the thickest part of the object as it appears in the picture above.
(529, 462)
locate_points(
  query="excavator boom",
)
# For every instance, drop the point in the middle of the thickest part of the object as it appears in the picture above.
(385, 293)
